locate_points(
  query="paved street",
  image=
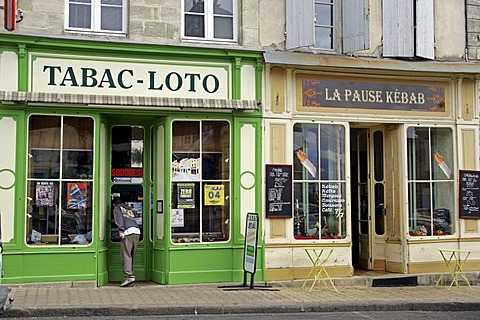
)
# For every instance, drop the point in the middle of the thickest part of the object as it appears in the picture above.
(153, 299)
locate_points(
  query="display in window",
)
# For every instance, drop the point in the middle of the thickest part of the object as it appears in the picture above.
(443, 165)
(332, 207)
(127, 154)
(137, 209)
(424, 223)
(77, 195)
(302, 157)
(185, 168)
(200, 172)
(186, 195)
(44, 193)
(178, 218)
(214, 195)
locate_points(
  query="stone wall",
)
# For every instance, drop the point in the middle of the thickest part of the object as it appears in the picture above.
(473, 29)
(149, 21)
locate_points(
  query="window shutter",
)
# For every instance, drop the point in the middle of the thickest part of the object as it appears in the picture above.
(425, 29)
(355, 25)
(398, 32)
(299, 23)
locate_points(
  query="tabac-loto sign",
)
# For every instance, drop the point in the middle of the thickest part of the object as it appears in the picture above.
(84, 75)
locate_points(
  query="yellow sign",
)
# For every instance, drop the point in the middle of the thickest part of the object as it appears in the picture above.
(214, 195)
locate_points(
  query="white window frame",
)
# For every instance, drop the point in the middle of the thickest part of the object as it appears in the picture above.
(343, 221)
(431, 181)
(209, 23)
(96, 19)
(334, 25)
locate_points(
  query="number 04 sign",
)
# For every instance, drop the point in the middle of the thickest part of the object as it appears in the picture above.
(214, 195)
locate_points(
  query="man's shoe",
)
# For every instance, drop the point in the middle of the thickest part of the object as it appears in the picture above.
(127, 282)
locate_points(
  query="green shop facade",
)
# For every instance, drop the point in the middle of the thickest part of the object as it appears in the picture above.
(175, 131)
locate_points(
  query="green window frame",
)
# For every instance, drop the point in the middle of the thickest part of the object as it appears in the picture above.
(59, 180)
(200, 181)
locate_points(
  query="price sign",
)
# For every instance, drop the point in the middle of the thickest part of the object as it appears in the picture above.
(279, 191)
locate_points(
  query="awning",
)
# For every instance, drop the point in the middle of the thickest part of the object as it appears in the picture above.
(335, 61)
(115, 100)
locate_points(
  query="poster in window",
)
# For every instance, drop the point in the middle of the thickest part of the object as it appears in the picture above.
(214, 195)
(178, 218)
(186, 195)
(185, 168)
(44, 193)
(76, 195)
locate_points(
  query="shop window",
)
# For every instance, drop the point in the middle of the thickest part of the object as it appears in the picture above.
(59, 180)
(430, 181)
(210, 19)
(105, 16)
(319, 181)
(200, 188)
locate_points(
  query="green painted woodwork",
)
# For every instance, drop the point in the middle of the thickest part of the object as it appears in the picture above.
(158, 260)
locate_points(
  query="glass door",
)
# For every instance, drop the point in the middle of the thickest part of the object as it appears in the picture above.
(370, 191)
(130, 180)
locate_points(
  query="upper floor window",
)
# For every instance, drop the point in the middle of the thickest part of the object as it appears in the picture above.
(408, 28)
(210, 19)
(324, 24)
(321, 24)
(105, 16)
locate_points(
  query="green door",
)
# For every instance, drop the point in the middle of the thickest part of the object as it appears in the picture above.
(129, 176)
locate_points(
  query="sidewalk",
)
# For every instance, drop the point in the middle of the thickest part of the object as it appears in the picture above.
(84, 299)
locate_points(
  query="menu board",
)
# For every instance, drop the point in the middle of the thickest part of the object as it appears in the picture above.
(469, 190)
(332, 198)
(279, 191)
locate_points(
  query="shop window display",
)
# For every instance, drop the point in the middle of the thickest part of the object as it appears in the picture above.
(319, 181)
(59, 180)
(200, 187)
(430, 181)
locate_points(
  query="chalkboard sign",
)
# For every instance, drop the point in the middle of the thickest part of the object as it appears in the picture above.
(279, 191)
(469, 194)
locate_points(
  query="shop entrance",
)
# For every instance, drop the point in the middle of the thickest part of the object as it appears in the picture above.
(129, 175)
(368, 197)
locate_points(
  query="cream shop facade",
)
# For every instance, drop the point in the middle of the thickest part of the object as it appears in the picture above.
(173, 130)
(382, 153)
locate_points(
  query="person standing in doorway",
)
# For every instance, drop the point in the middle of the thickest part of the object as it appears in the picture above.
(129, 233)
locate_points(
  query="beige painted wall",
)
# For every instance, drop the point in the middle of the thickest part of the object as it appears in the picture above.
(449, 29)
(261, 24)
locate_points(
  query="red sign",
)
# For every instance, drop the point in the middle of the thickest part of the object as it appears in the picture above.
(127, 172)
(9, 14)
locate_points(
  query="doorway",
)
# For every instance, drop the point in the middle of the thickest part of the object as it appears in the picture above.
(130, 150)
(368, 197)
